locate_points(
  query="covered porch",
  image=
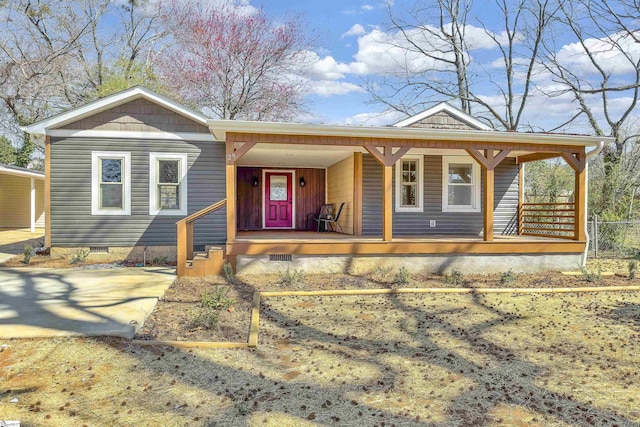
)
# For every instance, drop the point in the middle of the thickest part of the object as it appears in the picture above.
(375, 223)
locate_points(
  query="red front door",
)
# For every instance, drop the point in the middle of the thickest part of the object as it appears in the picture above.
(277, 200)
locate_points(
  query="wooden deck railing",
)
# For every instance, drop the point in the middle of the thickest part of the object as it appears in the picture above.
(547, 220)
(185, 235)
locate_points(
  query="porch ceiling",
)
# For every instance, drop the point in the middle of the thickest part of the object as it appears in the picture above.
(291, 155)
(321, 156)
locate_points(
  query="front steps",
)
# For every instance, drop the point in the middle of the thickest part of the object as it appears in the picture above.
(206, 264)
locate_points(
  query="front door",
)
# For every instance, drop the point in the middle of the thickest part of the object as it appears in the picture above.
(278, 200)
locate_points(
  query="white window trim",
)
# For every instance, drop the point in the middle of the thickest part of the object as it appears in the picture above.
(475, 181)
(153, 177)
(420, 185)
(95, 182)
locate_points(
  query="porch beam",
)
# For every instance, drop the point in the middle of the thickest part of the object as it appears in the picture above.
(537, 156)
(236, 154)
(387, 206)
(387, 157)
(489, 182)
(577, 161)
(395, 142)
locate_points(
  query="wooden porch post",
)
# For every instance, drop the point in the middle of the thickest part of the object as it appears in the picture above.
(387, 204)
(357, 194)
(578, 162)
(488, 162)
(231, 197)
(489, 183)
(387, 158)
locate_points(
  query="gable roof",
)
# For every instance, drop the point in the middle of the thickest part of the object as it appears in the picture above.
(447, 108)
(108, 102)
(18, 171)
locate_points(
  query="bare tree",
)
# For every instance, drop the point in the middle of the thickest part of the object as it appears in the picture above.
(234, 63)
(449, 48)
(602, 74)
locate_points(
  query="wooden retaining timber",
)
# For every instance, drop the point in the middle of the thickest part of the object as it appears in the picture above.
(254, 326)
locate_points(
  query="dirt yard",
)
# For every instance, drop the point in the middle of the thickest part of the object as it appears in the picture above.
(414, 359)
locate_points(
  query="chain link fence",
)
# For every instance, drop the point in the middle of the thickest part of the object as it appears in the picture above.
(617, 239)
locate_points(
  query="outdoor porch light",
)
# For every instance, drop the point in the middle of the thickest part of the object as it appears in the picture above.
(255, 181)
(302, 183)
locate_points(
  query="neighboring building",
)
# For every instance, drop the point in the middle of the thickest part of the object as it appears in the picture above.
(437, 190)
(21, 198)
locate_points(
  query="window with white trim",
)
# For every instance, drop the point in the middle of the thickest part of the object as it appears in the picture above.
(409, 184)
(167, 184)
(460, 184)
(110, 183)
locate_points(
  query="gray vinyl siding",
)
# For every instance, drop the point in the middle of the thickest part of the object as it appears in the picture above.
(417, 223)
(72, 223)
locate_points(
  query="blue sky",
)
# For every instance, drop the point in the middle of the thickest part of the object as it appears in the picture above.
(351, 49)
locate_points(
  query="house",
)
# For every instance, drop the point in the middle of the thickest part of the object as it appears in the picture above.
(136, 172)
(21, 198)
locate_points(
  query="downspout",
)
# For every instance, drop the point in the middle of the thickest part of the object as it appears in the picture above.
(590, 154)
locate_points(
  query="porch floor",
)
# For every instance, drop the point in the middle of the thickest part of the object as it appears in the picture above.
(269, 242)
(312, 236)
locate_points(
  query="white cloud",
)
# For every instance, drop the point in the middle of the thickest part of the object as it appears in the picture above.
(607, 53)
(367, 7)
(355, 30)
(385, 118)
(330, 88)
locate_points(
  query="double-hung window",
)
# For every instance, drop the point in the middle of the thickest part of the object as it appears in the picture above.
(460, 184)
(409, 184)
(167, 184)
(110, 183)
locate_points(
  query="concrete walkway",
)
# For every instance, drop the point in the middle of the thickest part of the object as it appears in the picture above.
(13, 241)
(85, 302)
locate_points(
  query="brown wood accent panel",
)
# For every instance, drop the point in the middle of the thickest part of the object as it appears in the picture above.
(357, 194)
(397, 142)
(329, 247)
(249, 199)
(442, 120)
(310, 197)
(47, 191)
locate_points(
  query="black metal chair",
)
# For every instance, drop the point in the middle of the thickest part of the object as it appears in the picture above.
(324, 213)
(331, 222)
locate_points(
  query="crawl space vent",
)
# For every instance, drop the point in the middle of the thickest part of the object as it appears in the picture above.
(99, 249)
(280, 257)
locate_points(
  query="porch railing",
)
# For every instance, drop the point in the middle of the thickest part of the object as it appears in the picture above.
(548, 220)
(185, 235)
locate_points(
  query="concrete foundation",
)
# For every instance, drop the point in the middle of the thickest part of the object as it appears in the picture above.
(133, 253)
(467, 264)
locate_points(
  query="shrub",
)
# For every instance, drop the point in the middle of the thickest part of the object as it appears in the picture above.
(633, 269)
(228, 273)
(508, 277)
(159, 260)
(455, 277)
(402, 277)
(28, 253)
(293, 278)
(217, 298)
(80, 256)
(212, 302)
(590, 276)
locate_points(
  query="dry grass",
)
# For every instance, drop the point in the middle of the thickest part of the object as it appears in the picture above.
(424, 359)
